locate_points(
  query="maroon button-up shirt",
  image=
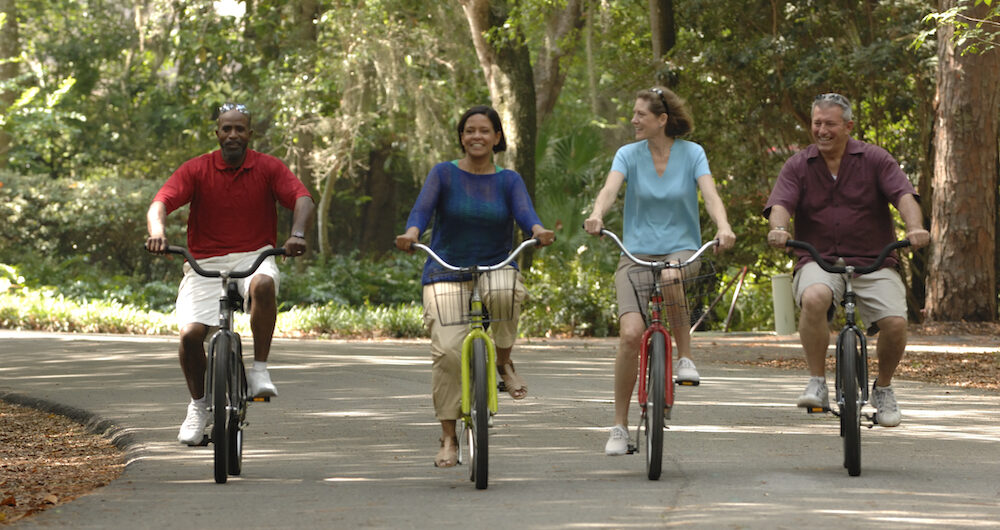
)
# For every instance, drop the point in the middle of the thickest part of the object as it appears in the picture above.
(848, 216)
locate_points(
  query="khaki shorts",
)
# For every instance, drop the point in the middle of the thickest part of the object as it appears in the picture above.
(198, 297)
(881, 293)
(625, 293)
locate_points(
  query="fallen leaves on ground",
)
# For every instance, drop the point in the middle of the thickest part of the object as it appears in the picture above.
(47, 459)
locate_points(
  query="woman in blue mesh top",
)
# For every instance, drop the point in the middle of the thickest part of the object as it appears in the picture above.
(474, 204)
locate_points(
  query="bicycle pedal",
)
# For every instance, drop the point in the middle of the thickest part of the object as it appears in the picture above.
(501, 386)
(262, 399)
(204, 441)
(632, 449)
(817, 410)
(687, 383)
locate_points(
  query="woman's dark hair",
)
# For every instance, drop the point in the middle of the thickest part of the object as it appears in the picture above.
(494, 118)
(662, 99)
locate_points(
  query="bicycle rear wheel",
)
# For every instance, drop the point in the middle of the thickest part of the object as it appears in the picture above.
(238, 397)
(480, 411)
(656, 400)
(850, 411)
(220, 403)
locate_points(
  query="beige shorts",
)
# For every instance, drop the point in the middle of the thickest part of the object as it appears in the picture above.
(628, 302)
(881, 293)
(198, 297)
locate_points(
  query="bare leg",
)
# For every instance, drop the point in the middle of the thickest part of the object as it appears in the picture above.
(891, 345)
(263, 315)
(192, 357)
(813, 329)
(627, 363)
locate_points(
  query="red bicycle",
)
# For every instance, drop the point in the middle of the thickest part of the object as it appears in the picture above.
(656, 388)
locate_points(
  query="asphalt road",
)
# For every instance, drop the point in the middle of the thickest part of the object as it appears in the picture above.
(350, 443)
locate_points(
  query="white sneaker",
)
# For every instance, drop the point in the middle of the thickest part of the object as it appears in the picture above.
(193, 429)
(884, 399)
(617, 442)
(260, 383)
(816, 394)
(685, 371)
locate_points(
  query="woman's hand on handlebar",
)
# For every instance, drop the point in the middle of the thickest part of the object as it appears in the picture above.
(405, 241)
(593, 226)
(544, 236)
(726, 239)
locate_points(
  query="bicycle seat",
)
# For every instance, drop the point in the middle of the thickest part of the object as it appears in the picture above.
(235, 298)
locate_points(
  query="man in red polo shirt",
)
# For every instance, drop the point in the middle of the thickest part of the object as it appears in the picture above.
(839, 190)
(232, 193)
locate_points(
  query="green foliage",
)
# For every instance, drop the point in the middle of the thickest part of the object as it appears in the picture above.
(571, 296)
(77, 231)
(354, 280)
(44, 310)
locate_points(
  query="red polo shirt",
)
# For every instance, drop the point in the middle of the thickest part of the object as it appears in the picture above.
(848, 216)
(232, 210)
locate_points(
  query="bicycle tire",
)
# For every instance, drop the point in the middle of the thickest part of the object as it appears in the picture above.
(480, 411)
(220, 404)
(850, 412)
(237, 392)
(656, 398)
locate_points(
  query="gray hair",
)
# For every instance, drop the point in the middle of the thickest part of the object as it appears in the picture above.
(833, 99)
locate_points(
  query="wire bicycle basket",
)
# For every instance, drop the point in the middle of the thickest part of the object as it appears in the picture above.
(453, 295)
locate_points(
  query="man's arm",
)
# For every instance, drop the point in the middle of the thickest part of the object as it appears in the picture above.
(913, 218)
(156, 221)
(779, 219)
(295, 245)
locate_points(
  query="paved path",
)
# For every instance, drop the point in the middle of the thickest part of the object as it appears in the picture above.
(349, 443)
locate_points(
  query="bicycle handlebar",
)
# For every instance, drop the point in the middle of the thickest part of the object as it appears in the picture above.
(838, 269)
(663, 264)
(477, 268)
(171, 249)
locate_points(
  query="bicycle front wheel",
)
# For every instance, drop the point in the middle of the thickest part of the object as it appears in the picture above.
(655, 406)
(238, 398)
(480, 412)
(220, 403)
(850, 410)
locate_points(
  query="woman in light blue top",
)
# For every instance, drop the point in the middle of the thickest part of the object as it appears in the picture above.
(664, 174)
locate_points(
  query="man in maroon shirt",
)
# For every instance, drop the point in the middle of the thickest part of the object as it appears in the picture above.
(838, 190)
(232, 193)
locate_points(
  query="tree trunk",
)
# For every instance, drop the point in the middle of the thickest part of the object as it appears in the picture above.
(664, 34)
(307, 13)
(561, 36)
(509, 76)
(9, 51)
(962, 284)
(378, 222)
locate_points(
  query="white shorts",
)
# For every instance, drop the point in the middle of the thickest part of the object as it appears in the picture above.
(198, 297)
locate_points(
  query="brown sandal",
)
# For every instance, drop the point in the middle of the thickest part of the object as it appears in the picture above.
(513, 383)
(448, 455)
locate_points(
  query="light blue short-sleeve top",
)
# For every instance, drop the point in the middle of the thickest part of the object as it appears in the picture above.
(661, 211)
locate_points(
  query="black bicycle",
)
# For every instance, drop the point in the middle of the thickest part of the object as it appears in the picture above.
(851, 357)
(225, 377)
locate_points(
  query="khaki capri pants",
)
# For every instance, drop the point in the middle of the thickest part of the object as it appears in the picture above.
(446, 340)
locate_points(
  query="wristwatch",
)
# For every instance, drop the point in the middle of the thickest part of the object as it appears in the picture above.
(300, 235)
